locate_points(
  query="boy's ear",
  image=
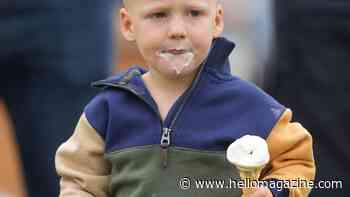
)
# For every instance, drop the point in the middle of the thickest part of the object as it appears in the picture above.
(126, 26)
(219, 21)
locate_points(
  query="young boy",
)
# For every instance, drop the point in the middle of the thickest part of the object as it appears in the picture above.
(155, 133)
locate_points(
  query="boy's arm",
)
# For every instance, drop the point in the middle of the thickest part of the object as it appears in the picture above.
(81, 165)
(290, 147)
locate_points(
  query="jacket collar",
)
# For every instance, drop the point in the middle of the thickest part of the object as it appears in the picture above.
(219, 55)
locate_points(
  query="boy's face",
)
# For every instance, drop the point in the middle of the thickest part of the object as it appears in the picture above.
(173, 36)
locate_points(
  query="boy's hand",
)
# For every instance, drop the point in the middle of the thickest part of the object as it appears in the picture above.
(261, 192)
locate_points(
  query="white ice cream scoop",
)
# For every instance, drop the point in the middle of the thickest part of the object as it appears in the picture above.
(248, 151)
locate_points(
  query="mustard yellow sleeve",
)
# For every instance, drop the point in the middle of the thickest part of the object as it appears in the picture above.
(80, 163)
(291, 154)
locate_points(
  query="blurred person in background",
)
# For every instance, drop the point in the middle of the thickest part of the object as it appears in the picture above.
(50, 51)
(310, 73)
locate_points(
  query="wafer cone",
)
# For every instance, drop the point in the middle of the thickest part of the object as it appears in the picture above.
(249, 175)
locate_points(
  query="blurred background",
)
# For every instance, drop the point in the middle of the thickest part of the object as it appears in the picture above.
(50, 51)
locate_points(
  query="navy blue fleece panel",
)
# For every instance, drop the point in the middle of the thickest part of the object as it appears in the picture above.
(229, 111)
(96, 113)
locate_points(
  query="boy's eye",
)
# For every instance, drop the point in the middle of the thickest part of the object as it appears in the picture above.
(195, 13)
(159, 15)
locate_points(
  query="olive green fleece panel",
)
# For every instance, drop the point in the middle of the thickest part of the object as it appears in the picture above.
(138, 172)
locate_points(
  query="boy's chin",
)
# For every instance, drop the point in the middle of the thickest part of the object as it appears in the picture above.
(170, 72)
(184, 73)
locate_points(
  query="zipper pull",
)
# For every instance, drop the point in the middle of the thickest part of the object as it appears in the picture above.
(164, 144)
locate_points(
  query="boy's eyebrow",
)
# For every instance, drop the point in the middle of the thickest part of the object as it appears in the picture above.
(199, 2)
(125, 1)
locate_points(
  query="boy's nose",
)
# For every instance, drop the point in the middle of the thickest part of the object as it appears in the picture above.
(177, 29)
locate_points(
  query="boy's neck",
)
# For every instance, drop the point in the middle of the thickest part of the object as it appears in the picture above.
(172, 86)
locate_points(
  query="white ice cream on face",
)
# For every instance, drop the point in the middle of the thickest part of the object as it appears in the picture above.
(177, 61)
(248, 151)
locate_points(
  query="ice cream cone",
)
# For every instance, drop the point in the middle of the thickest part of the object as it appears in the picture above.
(249, 155)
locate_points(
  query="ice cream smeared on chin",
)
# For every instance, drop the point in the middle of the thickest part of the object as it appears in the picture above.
(248, 151)
(177, 59)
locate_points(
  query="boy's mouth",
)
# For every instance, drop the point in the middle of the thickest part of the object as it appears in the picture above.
(177, 58)
(176, 51)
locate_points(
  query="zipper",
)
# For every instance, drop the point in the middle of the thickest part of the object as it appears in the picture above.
(164, 145)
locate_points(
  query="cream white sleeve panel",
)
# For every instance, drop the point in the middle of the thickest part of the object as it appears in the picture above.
(81, 165)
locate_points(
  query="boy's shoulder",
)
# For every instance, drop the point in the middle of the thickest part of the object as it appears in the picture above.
(251, 92)
(123, 80)
(239, 90)
(97, 110)
(240, 99)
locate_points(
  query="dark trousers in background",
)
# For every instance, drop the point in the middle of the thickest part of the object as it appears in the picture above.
(44, 110)
(310, 74)
(50, 52)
